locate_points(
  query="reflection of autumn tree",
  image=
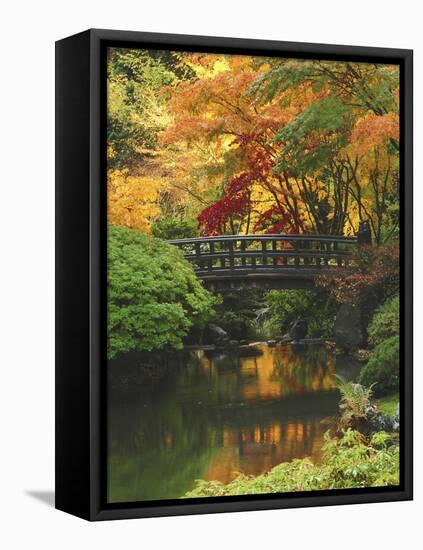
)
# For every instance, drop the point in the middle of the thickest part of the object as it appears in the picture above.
(212, 417)
(275, 373)
(257, 449)
(312, 370)
(259, 444)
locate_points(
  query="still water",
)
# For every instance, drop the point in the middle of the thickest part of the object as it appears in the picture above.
(214, 416)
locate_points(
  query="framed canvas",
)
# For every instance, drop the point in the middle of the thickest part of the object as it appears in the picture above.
(233, 274)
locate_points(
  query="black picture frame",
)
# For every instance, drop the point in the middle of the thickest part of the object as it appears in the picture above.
(81, 271)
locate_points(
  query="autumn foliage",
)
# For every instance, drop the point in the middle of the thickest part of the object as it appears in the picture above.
(374, 277)
(244, 144)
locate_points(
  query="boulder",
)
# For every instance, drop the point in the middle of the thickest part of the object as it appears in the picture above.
(379, 421)
(216, 335)
(397, 419)
(298, 330)
(347, 328)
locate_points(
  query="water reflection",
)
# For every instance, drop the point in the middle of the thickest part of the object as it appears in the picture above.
(215, 416)
(256, 450)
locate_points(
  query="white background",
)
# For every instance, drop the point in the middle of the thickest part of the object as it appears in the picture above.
(28, 32)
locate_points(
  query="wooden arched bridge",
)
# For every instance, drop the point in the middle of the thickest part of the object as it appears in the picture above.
(234, 262)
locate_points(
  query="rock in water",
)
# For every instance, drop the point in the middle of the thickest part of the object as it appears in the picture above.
(216, 335)
(347, 328)
(298, 330)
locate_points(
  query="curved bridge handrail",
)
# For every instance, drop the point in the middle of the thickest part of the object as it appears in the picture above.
(222, 254)
(338, 239)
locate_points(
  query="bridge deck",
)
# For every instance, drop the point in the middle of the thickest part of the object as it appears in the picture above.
(275, 261)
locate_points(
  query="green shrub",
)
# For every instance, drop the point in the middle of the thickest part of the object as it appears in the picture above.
(382, 369)
(316, 307)
(237, 311)
(348, 462)
(389, 404)
(232, 322)
(385, 322)
(154, 297)
(264, 330)
(173, 228)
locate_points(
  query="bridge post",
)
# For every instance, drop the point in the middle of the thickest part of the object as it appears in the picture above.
(339, 259)
(318, 257)
(243, 259)
(306, 247)
(264, 249)
(297, 247)
(231, 254)
(364, 235)
(222, 259)
(211, 248)
(275, 259)
(198, 255)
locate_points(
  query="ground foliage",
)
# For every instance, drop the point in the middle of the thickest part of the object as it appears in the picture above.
(316, 307)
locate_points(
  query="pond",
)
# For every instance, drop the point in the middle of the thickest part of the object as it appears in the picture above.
(214, 415)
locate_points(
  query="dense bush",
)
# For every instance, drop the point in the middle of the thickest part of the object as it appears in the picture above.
(154, 297)
(385, 322)
(382, 369)
(374, 279)
(351, 461)
(389, 404)
(237, 311)
(316, 307)
(262, 330)
(173, 228)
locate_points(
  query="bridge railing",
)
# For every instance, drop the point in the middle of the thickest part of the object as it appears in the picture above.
(228, 253)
